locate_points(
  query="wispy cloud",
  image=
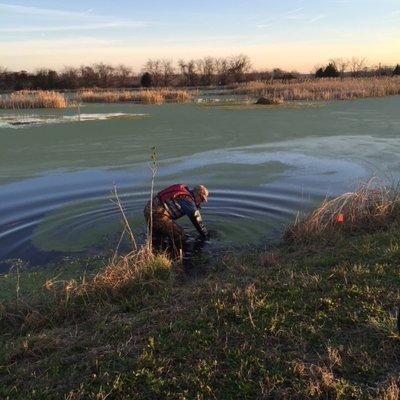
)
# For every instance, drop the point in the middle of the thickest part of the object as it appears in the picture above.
(263, 26)
(52, 20)
(394, 16)
(317, 18)
(87, 27)
(293, 12)
(27, 10)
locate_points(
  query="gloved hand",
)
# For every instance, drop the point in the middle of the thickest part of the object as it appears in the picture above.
(212, 233)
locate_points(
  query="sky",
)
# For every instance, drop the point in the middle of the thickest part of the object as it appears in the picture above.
(290, 34)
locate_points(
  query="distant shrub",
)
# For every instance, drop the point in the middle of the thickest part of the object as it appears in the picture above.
(146, 80)
(396, 71)
(331, 71)
(319, 73)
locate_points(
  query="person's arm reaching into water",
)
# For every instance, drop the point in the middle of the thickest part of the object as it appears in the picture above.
(198, 224)
(189, 208)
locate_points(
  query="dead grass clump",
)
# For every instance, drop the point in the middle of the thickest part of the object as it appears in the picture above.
(322, 89)
(150, 97)
(368, 209)
(105, 96)
(126, 271)
(33, 99)
(178, 96)
(391, 391)
(270, 259)
(156, 96)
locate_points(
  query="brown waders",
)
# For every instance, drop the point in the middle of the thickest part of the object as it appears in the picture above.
(163, 224)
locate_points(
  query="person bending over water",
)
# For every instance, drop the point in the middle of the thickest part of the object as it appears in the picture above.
(173, 203)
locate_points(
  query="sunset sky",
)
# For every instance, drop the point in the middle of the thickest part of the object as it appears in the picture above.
(290, 34)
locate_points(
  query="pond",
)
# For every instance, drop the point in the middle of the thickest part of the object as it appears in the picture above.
(262, 165)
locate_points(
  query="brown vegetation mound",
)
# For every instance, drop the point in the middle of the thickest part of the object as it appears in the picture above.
(368, 209)
(141, 96)
(33, 99)
(269, 101)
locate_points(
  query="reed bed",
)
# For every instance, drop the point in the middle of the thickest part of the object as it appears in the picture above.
(322, 89)
(370, 208)
(33, 99)
(158, 96)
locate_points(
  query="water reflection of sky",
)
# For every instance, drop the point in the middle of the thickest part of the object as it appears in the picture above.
(261, 166)
(254, 189)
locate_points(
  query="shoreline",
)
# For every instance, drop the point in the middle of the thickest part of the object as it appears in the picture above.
(275, 92)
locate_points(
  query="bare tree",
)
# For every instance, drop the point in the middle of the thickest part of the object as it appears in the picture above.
(340, 64)
(167, 71)
(221, 69)
(88, 76)
(188, 70)
(238, 66)
(69, 78)
(154, 67)
(123, 75)
(206, 67)
(357, 65)
(105, 73)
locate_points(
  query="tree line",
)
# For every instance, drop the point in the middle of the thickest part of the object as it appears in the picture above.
(354, 67)
(155, 73)
(206, 71)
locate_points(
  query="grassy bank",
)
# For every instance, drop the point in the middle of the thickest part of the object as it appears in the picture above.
(322, 89)
(311, 319)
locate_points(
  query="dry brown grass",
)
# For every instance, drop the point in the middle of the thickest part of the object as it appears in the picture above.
(179, 96)
(141, 265)
(33, 99)
(121, 276)
(156, 96)
(391, 391)
(130, 276)
(370, 208)
(124, 277)
(322, 89)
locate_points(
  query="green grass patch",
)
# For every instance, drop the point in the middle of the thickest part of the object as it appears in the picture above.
(315, 321)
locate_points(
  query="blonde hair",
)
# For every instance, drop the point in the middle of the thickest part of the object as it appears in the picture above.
(202, 191)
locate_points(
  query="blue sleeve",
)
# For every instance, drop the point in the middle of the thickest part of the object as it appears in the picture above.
(187, 206)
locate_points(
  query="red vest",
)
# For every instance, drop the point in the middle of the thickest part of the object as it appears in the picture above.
(174, 191)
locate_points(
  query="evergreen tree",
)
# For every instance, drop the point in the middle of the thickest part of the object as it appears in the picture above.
(146, 80)
(396, 71)
(331, 71)
(319, 73)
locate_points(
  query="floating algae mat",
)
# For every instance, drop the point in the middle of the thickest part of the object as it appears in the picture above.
(20, 121)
